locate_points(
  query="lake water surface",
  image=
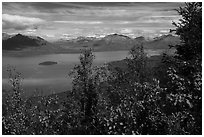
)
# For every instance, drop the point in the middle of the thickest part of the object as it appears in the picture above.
(53, 78)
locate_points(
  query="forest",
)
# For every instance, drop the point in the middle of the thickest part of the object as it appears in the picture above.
(134, 98)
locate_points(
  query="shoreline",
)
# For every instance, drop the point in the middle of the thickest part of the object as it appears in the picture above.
(36, 53)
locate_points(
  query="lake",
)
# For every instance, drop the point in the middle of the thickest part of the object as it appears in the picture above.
(53, 78)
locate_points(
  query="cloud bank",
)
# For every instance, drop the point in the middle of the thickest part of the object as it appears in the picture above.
(89, 18)
(17, 22)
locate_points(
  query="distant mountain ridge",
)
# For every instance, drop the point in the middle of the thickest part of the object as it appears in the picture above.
(140, 39)
(20, 41)
(162, 42)
(108, 43)
(120, 42)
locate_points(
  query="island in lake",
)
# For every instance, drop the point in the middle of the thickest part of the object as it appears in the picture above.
(48, 63)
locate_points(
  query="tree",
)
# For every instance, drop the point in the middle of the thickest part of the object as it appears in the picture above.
(87, 84)
(190, 31)
(184, 86)
(83, 87)
(14, 118)
(137, 64)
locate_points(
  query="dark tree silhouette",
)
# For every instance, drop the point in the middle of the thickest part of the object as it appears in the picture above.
(190, 31)
(83, 84)
(185, 73)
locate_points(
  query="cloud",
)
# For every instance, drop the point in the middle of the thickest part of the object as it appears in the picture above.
(159, 19)
(126, 31)
(122, 22)
(49, 35)
(164, 31)
(20, 22)
(87, 19)
(79, 22)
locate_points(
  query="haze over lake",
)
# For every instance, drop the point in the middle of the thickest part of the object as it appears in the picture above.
(53, 77)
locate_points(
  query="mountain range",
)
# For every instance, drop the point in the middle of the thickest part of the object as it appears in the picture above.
(19, 41)
(109, 42)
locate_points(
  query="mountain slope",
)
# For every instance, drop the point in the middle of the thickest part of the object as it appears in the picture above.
(20, 41)
(114, 42)
(118, 42)
(162, 42)
(140, 39)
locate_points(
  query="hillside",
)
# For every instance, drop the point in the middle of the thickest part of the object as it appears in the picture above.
(140, 39)
(152, 62)
(20, 41)
(162, 42)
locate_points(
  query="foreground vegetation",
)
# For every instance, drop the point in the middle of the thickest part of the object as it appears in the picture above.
(134, 100)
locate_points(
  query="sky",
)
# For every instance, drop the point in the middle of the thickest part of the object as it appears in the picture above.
(55, 20)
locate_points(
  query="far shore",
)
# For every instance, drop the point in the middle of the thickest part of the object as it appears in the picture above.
(30, 53)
